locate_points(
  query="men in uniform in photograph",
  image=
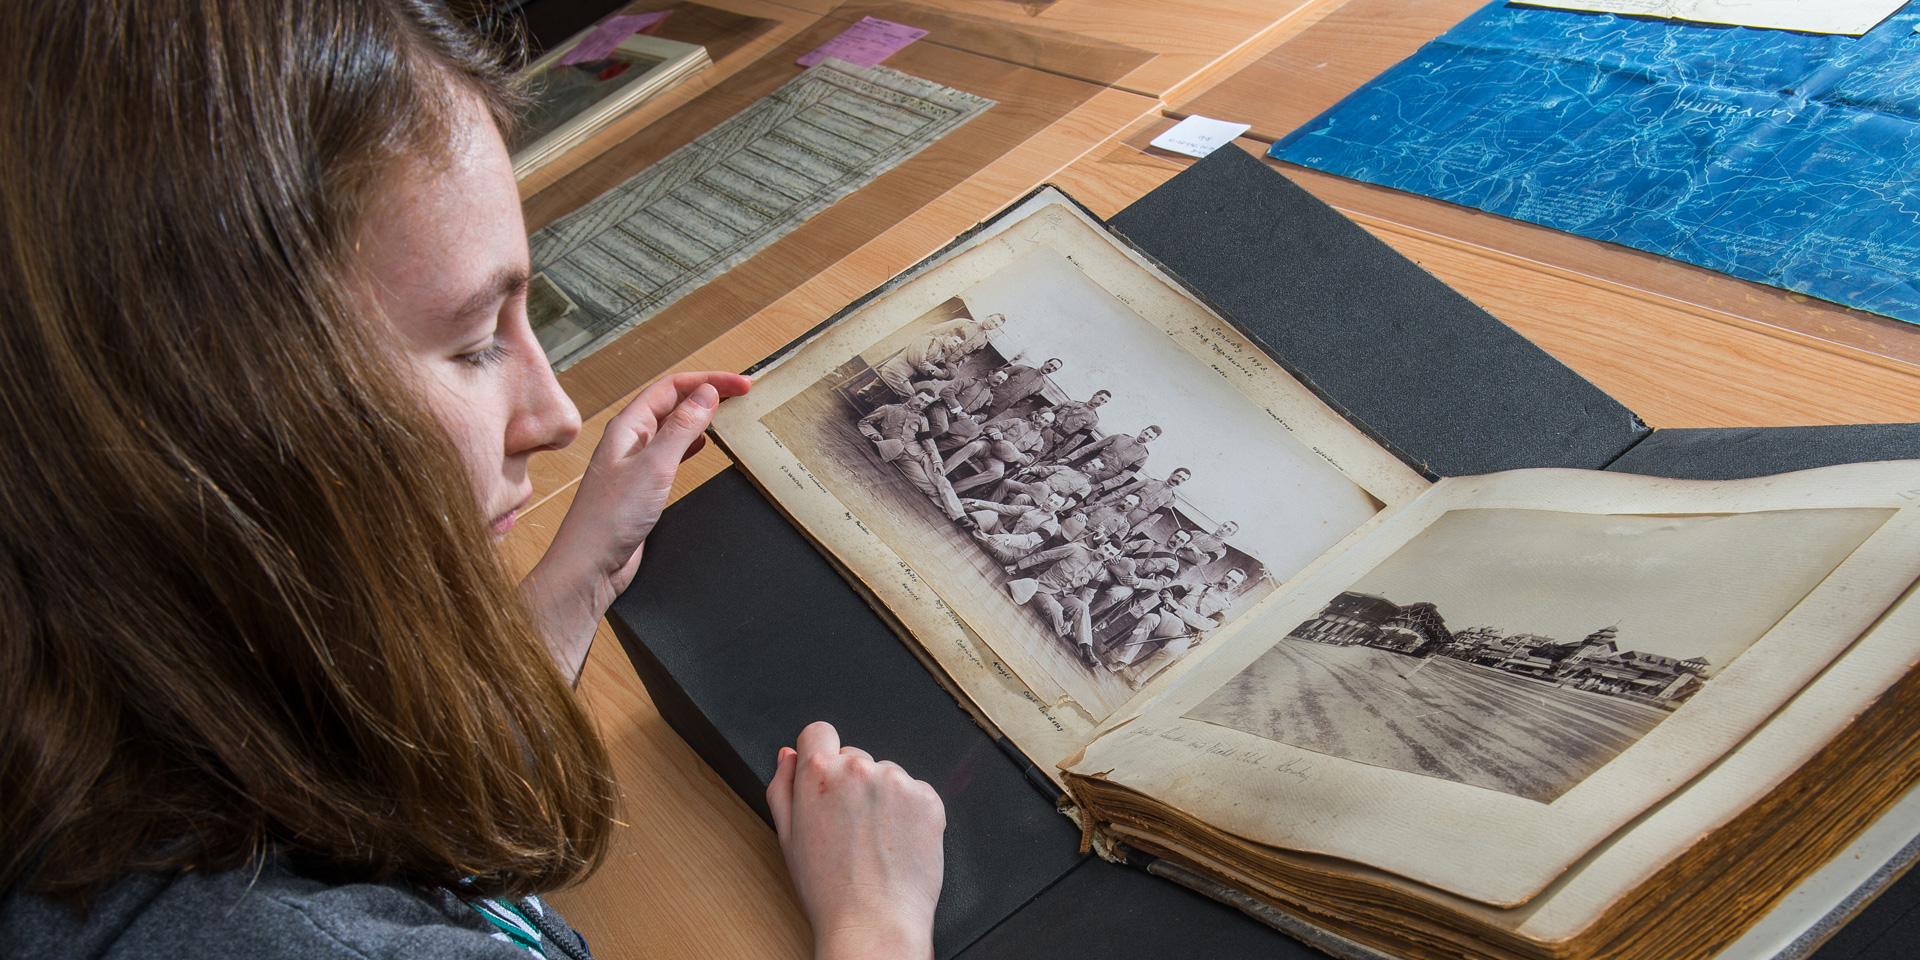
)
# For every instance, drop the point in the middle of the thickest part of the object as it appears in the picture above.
(1073, 424)
(1010, 443)
(896, 426)
(1147, 546)
(1022, 382)
(1204, 548)
(1123, 456)
(1153, 494)
(972, 334)
(1102, 521)
(1037, 481)
(991, 517)
(924, 358)
(1011, 533)
(898, 434)
(1135, 577)
(1177, 624)
(1131, 595)
(1061, 592)
(958, 400)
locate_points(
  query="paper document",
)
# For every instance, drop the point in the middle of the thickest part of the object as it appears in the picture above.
(866, 43)
(731, 193)
(1851, 17)
(1775, 156)
(610, 35)
(1197, 136)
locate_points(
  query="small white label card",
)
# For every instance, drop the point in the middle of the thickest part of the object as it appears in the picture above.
(1853, 17)
(1197, 136)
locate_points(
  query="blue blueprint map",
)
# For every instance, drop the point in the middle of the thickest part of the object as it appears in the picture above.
(1787, 158)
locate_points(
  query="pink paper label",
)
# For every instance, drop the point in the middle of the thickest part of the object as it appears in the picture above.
(866, 43)
(614, 32)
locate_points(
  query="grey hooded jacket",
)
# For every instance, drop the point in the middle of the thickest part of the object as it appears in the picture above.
(266, 911)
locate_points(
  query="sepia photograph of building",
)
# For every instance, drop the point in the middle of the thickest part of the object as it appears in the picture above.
(1594, 662)
(1521, 650)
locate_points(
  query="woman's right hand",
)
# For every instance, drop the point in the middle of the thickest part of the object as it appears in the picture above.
(862, 840)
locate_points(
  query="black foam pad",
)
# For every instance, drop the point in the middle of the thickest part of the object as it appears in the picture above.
(1735, 453)
(1435, 377)
(744, 634)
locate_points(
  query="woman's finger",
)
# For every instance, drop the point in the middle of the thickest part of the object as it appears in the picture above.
(656, 453)
(818, 739)
(643, 416)
(666, 393)
(780, 791)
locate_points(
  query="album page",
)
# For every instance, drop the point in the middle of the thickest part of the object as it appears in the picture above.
(1507, 672)
(1058, 472)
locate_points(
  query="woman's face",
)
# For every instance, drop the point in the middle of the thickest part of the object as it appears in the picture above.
(446, 252)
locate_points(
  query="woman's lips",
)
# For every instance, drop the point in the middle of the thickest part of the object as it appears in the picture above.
(503, 523)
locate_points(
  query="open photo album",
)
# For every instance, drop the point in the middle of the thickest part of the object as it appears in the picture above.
(1541, 713)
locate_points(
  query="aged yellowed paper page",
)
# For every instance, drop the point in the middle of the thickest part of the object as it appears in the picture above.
(1059, 471)
(1507, 672)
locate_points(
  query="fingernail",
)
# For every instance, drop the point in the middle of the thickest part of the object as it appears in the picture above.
(704, 395)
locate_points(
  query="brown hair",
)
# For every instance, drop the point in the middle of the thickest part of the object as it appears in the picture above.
(247, 601)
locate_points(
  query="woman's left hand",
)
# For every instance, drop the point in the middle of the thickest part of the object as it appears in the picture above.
(597, 548)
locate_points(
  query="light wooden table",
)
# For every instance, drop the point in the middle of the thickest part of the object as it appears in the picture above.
(1345, 48)
(1040, 111)
(1190, 43)
(695, 874)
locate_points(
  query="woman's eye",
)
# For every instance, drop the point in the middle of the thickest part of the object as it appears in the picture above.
(492, 353)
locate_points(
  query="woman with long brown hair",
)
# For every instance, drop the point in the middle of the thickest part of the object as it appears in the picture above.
(269, 398)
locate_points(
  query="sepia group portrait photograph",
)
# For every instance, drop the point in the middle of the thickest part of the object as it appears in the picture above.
(1092, 504)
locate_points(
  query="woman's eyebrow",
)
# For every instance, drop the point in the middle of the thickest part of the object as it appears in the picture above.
(506, 283)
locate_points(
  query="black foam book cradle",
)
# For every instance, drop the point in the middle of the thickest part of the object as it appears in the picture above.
(743, 632)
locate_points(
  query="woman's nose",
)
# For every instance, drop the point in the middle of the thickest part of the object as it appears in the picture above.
(545, 417)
